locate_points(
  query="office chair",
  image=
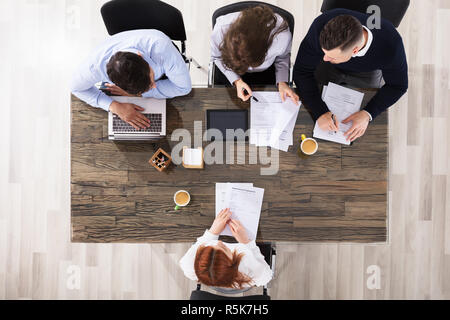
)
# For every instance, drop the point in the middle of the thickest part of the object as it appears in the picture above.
(389, 9)
(267, 77)
(125, 15)
(269, 253)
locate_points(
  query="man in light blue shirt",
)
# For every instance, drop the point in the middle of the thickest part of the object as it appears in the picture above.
(133, 63)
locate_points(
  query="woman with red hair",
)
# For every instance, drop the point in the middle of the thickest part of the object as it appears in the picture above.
(229, 265)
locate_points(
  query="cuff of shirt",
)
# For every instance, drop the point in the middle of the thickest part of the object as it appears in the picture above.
(370, 116)
(282, 76)
(251, 244)
(104, 102)
(208, 235)
(232, 77)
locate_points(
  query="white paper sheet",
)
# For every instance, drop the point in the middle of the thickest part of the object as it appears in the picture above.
(342, 102)
(244, 201)
(192, 156)
(272, 121)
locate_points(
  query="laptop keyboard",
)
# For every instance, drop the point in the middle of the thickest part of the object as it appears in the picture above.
(155, 124)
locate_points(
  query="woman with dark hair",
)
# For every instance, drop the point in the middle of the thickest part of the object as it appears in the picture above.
(252, 41)
(229, 265)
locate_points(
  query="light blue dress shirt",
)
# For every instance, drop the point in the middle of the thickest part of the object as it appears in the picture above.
(156, 48)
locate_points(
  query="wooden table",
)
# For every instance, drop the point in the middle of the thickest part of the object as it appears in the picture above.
(339, 194)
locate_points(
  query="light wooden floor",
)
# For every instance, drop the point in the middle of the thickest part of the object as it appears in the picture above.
(42, 42)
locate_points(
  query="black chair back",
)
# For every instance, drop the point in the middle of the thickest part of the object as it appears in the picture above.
(392, 10)
(204, 295)
(125, 15)
(239, 6)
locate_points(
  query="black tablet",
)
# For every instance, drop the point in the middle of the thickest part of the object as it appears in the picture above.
(223, 119)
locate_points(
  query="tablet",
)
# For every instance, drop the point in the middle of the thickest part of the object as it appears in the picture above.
(223, 119)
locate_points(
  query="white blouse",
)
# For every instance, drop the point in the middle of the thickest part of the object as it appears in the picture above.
(278, 53)
(252, 263)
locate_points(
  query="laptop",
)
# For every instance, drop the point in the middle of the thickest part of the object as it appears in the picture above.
(155, 111)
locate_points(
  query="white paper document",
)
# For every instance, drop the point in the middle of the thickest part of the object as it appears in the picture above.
(272, 121)
(342, 102)
(244, 201)
(192, 156)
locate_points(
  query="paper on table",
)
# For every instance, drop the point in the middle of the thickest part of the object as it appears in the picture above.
(342, 102)
(272, 121)
(221, 194)
(261, 123)
(192, 156)
(286, 138)
(245, 203)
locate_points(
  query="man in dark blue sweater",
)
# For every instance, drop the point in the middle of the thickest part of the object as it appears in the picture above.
(339, 41)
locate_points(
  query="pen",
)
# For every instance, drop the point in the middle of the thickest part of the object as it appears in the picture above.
(334, 119)
(246, 93)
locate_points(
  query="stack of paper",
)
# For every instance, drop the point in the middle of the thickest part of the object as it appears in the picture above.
(244, 201)
(342, 102)
(272, 121)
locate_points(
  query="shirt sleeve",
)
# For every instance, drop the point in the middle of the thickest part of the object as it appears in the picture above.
(83, 86)
(282, 61)
(308, 58)
(216, 56)
(395, 76)
(178, 82)
(187, 261)
(258, 268)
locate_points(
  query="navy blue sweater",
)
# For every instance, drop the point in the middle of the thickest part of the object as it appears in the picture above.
(386, 53)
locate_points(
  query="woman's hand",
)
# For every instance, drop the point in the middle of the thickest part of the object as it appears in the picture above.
(238, 231)
(287, 92)
(240, 86)
(220, 222)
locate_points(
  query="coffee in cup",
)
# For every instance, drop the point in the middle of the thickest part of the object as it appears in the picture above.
(308, 146)
(181, 198)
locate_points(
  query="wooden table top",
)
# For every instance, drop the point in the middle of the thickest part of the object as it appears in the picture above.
(338, 194)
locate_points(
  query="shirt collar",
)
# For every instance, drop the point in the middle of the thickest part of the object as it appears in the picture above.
(364, 50)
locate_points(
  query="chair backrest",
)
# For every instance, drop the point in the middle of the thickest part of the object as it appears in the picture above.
(204, 295)
(392, 10)
(125, 15)
(239, 6)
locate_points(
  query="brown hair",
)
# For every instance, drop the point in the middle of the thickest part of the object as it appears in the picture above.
(343, 32)
(214, 268)
(248, 39)
(129, 71)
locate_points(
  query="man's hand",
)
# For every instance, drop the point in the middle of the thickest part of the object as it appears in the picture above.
(240, 86)
(326, 122)
(220, 222)
(360, 122)
(129, 113)
(238, 231)
(118, 91)
(286, 92)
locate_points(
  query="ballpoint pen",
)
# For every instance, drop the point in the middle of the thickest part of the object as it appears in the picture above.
(334, 119)
(246, 93)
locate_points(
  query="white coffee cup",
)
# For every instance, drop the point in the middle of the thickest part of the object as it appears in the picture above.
(178, 205)
(304, 139)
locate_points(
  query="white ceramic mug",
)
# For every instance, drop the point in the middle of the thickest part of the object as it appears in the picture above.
(304, 139)
(178, 205)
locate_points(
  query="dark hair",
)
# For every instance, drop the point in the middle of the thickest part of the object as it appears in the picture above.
(214, 268)
(343, 32)
(248, 39)
(129, 71)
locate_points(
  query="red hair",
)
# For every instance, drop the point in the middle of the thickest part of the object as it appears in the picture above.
(214, 268)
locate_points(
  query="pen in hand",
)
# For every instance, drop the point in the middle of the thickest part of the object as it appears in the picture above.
(333, 117)
(246, 93)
